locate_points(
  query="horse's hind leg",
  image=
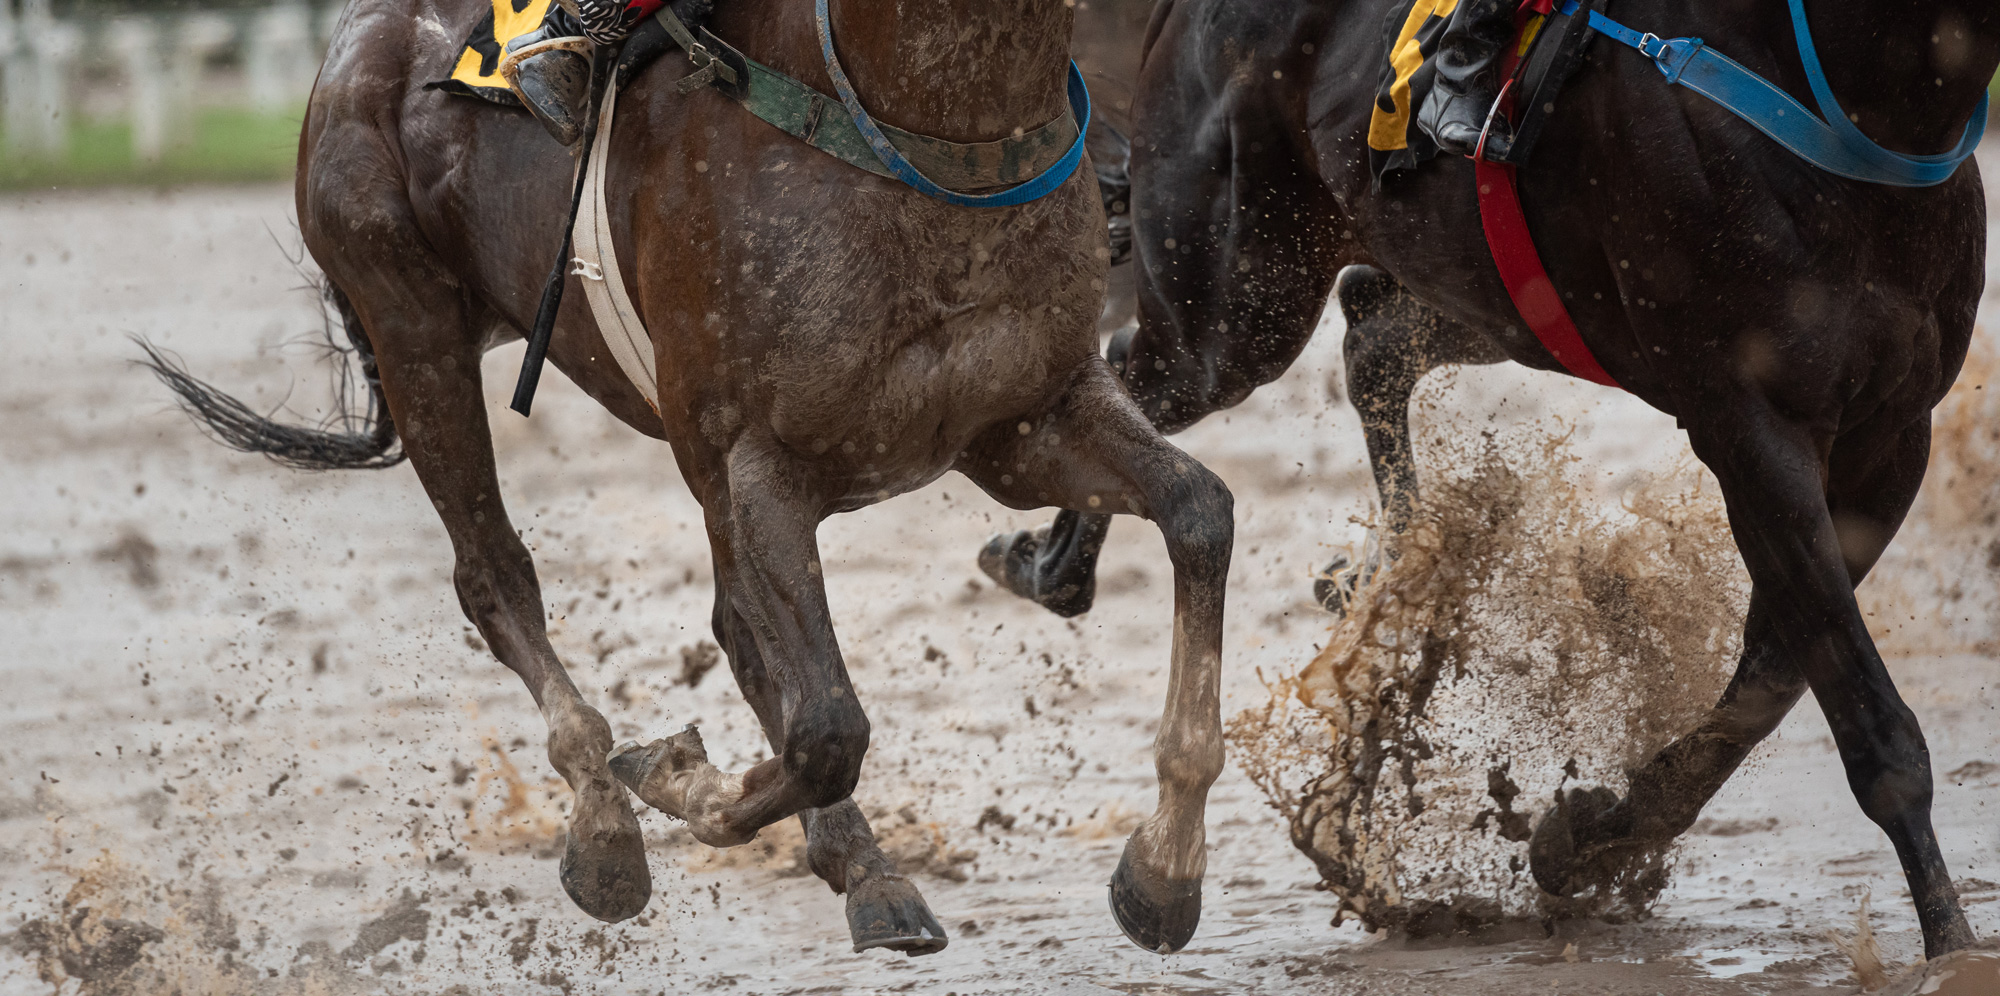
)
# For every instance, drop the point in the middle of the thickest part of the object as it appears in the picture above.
(1806, 544)
(1591, 835)
(1392, 341)
(1093, 450)
(427, 349)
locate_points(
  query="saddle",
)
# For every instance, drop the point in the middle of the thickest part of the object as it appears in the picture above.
(476, 71)
(1553, 39)
(1003, 173)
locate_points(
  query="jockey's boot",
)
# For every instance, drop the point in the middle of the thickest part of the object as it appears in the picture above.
(549, 67)
(1468, 79)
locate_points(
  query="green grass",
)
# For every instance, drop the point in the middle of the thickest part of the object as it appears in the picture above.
(229, 145)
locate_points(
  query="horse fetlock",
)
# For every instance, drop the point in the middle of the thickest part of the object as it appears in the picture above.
(1172, 844)
(1187, 764)
(673, 776)
(579, 738)
(823, 755)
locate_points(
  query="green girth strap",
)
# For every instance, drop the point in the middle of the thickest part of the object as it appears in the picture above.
(823, 123)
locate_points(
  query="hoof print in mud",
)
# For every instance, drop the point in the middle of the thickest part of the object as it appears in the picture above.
(1159, 916)
(886, 911)
(605, 874)
(1015, 562)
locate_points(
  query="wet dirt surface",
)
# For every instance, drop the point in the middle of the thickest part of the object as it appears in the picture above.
(252, 746)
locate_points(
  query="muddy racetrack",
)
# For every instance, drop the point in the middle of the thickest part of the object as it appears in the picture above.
(252, 746)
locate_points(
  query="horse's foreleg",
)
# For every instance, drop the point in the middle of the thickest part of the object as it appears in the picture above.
(761, 524)
(1236, 244)
(430, 374)
(1803, 537)
(1092, 450)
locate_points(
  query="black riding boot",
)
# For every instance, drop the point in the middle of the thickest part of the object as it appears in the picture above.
(549, 69)
(1468, 79)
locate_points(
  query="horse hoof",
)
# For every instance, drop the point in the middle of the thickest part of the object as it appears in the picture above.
(1012, 561)
(886, 911)
(633, 763)
(1333, 586)
(1009, 559)
(1555, 852)
(1158, 915)
(604, 860)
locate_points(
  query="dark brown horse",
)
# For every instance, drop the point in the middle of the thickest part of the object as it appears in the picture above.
(825, 339)
(1800, 326)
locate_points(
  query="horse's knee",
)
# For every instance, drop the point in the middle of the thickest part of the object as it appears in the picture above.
(825, 741)
(1198, 518)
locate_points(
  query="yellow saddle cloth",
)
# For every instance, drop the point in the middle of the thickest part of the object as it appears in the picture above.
(477, 72)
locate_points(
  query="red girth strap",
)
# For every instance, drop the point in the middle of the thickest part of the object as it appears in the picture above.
(1513, 248)
(1527, 283)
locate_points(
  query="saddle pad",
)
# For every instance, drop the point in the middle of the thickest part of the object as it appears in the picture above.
(1549, 45)
(477, 71)
(1411, 34)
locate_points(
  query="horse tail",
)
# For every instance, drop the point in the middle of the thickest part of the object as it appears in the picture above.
(347, 440)
(1111, 155)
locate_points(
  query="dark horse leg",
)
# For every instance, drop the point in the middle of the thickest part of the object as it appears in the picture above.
(1393, 340)
(763, 512)
(1233, 275)
(1807, 545)
(427, 340)
(884, 909)
(1091, 449)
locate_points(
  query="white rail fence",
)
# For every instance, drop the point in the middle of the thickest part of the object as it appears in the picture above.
(154, 71)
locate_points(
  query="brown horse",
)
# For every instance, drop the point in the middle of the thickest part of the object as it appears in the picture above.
(825, 339)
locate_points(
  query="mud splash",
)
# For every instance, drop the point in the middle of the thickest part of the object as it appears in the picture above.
(1529, 634)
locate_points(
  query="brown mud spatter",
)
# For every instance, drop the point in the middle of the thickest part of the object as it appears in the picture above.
(1527, 633)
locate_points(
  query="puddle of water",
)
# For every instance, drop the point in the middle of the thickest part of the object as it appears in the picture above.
(1725, 963)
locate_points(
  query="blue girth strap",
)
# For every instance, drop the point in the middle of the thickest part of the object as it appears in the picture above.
(1022, 193)
(1831, 143)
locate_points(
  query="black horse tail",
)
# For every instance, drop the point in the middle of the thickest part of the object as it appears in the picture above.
(1111, 152)
(347, 440)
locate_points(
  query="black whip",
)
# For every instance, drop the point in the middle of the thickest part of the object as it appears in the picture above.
(602, 59)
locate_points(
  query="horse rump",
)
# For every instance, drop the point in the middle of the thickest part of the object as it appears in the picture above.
(346, 440)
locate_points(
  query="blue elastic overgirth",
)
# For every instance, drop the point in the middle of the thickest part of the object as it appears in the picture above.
(1022, 193)
(1832, 144)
